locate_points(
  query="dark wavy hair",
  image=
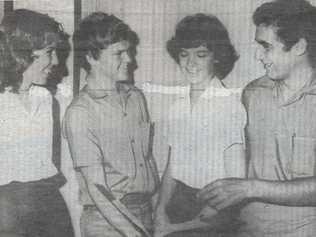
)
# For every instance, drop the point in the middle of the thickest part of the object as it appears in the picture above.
(200, 29)
(24, 32)
(293, 20)
(96, 32)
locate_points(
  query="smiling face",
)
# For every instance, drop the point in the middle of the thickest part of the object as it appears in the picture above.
(38, 71)
(277, 62)
(112, 64)
(197, 64)
(45, 58)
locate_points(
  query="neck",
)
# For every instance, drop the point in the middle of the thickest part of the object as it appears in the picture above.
(296, 81)
(298, 78)
(197, 89)
(200, 87)
(98, 81)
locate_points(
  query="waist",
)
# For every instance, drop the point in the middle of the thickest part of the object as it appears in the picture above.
(129, 200)
(50, 183)
(22, 171)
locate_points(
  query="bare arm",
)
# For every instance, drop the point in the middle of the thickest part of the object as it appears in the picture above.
(231, 191)
(298, 192)
(166, 190)
(104, 205)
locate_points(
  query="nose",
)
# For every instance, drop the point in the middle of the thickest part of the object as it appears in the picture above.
(191, 62)
(259, 54)
(127, 58)
(54, 59)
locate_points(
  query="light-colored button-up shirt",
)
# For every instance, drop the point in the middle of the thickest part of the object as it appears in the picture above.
(114, 131)
(199, 135)
(281, 146)
(26, 137)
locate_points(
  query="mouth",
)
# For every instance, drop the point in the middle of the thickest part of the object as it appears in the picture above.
(47, 71)
(123, 68)
(192, 71)
(267, 66)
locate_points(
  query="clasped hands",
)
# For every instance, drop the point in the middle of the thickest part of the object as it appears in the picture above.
(217, 195)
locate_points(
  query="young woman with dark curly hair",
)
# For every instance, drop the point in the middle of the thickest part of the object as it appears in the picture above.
(205, 130)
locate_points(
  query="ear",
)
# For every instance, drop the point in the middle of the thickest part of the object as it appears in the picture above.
(91, 60)
(300, 47)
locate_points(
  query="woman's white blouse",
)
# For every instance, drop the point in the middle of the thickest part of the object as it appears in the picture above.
(26, 137)
(199, 136)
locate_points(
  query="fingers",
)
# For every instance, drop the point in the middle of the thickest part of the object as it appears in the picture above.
(208, 191)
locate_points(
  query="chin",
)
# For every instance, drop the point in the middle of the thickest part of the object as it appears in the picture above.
(193, 80)
(275, 78)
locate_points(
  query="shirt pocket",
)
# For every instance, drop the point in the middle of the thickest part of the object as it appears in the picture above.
(144, 135)
(303, 160)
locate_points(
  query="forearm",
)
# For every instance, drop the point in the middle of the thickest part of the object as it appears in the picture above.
(166, 191)
(298, 192)
(107, 209)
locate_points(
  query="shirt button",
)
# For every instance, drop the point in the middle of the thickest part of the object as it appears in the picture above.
(132, 140)
(141, 165)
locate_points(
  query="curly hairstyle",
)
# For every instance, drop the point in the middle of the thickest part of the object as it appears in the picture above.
(292, 20)
(25, 31)
(96, 32)
(200, 29)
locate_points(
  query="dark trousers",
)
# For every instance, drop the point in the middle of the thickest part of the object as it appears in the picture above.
(33, 209)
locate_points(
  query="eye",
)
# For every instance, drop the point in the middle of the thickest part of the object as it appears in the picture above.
(183, 54)
(266, 47)
(202, 54)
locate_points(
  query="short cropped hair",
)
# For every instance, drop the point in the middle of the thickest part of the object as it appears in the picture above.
(96, 32)
(200, 29)
(26, 31)
(293, 20)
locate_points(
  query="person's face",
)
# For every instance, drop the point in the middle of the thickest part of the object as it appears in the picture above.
(39, 70)
(113, 62)
(277, 62)
(197, 64)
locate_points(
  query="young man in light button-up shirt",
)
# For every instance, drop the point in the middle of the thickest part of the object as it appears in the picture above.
(109, 132)
(281, 134)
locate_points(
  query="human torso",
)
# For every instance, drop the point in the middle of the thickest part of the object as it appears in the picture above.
(123, 133)
(281, 146)
(26, 137)
(199, 135)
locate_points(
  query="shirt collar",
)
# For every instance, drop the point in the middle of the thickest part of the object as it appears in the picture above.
(216, 88)
(121, 88)
(309, 88)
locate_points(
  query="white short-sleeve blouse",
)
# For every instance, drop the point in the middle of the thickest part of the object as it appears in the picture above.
(199, 136)
(26, 137)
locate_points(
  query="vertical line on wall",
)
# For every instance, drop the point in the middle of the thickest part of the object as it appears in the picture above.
(76, 70)
(8, 6)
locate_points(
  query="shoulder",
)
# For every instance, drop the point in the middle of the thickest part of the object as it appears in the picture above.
(78, 108)
(136, 93)
(257, 88)
(262, 83)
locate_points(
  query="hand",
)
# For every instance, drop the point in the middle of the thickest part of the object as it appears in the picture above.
(207, 214)
(226, 192)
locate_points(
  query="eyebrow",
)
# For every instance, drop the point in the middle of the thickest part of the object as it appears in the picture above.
(199, 51)
(263, 43)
